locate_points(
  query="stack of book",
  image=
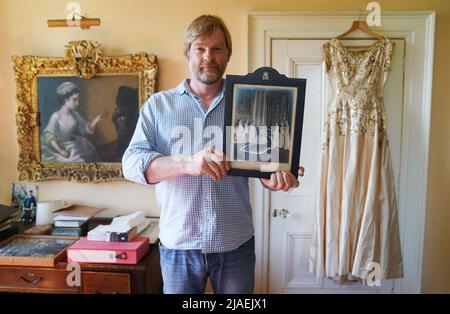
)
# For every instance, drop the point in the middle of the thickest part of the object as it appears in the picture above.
(67, 225)
(7, 217)
(73, 220)
(121, 229)
(117, 242)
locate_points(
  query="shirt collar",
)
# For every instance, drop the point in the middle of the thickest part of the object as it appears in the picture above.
(183, 87)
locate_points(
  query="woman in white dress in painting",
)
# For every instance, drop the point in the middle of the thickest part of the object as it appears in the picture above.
(63, 139)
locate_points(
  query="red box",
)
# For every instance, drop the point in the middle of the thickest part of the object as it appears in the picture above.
(84, 251)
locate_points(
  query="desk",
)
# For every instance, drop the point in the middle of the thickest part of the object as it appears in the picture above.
(144, 277)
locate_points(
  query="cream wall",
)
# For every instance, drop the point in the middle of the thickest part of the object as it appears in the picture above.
(157, 27)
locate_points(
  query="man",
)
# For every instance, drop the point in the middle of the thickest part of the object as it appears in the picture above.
(206, 227)
(29, 207)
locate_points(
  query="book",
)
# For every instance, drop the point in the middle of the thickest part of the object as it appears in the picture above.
(71, 218)
(9, 231)
(122, 228)
(111, 233)
(75, 215)
(4, 227)
(39, 229)
(7, 212)
(69, 223)
(69, 232)
(5, 223)
(85, 251)
(123, 236)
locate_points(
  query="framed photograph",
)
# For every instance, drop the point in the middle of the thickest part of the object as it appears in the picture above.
(24, 197)
(33, 250)
(76, 114)
(263, 123)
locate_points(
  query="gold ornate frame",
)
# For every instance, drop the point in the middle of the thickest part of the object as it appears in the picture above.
(82, 59)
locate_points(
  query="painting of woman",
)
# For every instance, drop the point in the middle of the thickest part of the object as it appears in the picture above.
(64, 137)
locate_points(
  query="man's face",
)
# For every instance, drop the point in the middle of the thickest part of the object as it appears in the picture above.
(208, 57)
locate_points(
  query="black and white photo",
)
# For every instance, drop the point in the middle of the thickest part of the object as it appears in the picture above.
(263, 121)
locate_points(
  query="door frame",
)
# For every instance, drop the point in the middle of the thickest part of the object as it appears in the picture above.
(417, 28)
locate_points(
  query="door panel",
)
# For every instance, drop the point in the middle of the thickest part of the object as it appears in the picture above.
(290, 237)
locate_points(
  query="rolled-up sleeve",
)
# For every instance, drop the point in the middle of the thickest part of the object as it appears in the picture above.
(142, 149)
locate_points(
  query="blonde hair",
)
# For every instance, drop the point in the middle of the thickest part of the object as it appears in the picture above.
(204, 26)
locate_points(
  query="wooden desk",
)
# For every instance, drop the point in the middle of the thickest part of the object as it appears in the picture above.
(144, 277)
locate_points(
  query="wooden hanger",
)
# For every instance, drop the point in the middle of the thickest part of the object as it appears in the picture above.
(361, 25)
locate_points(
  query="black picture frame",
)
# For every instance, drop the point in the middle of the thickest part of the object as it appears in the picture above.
(263, 123)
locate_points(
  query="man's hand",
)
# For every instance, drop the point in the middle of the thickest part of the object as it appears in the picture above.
(207, 162)
(282, 180)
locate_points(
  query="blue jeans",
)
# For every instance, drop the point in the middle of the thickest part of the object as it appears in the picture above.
(186, 271)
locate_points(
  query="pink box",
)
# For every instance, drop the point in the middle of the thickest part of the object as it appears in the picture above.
(84, 251)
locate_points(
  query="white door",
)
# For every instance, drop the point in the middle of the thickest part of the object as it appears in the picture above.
(290, 236)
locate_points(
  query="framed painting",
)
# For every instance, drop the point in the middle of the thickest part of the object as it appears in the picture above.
(76, 114)
(263, 123)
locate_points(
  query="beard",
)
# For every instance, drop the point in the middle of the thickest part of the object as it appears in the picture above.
(209, 75)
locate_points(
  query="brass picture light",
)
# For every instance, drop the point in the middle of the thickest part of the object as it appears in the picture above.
(82, 22)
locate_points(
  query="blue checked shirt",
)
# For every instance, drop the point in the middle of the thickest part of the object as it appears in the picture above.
(196, 211)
